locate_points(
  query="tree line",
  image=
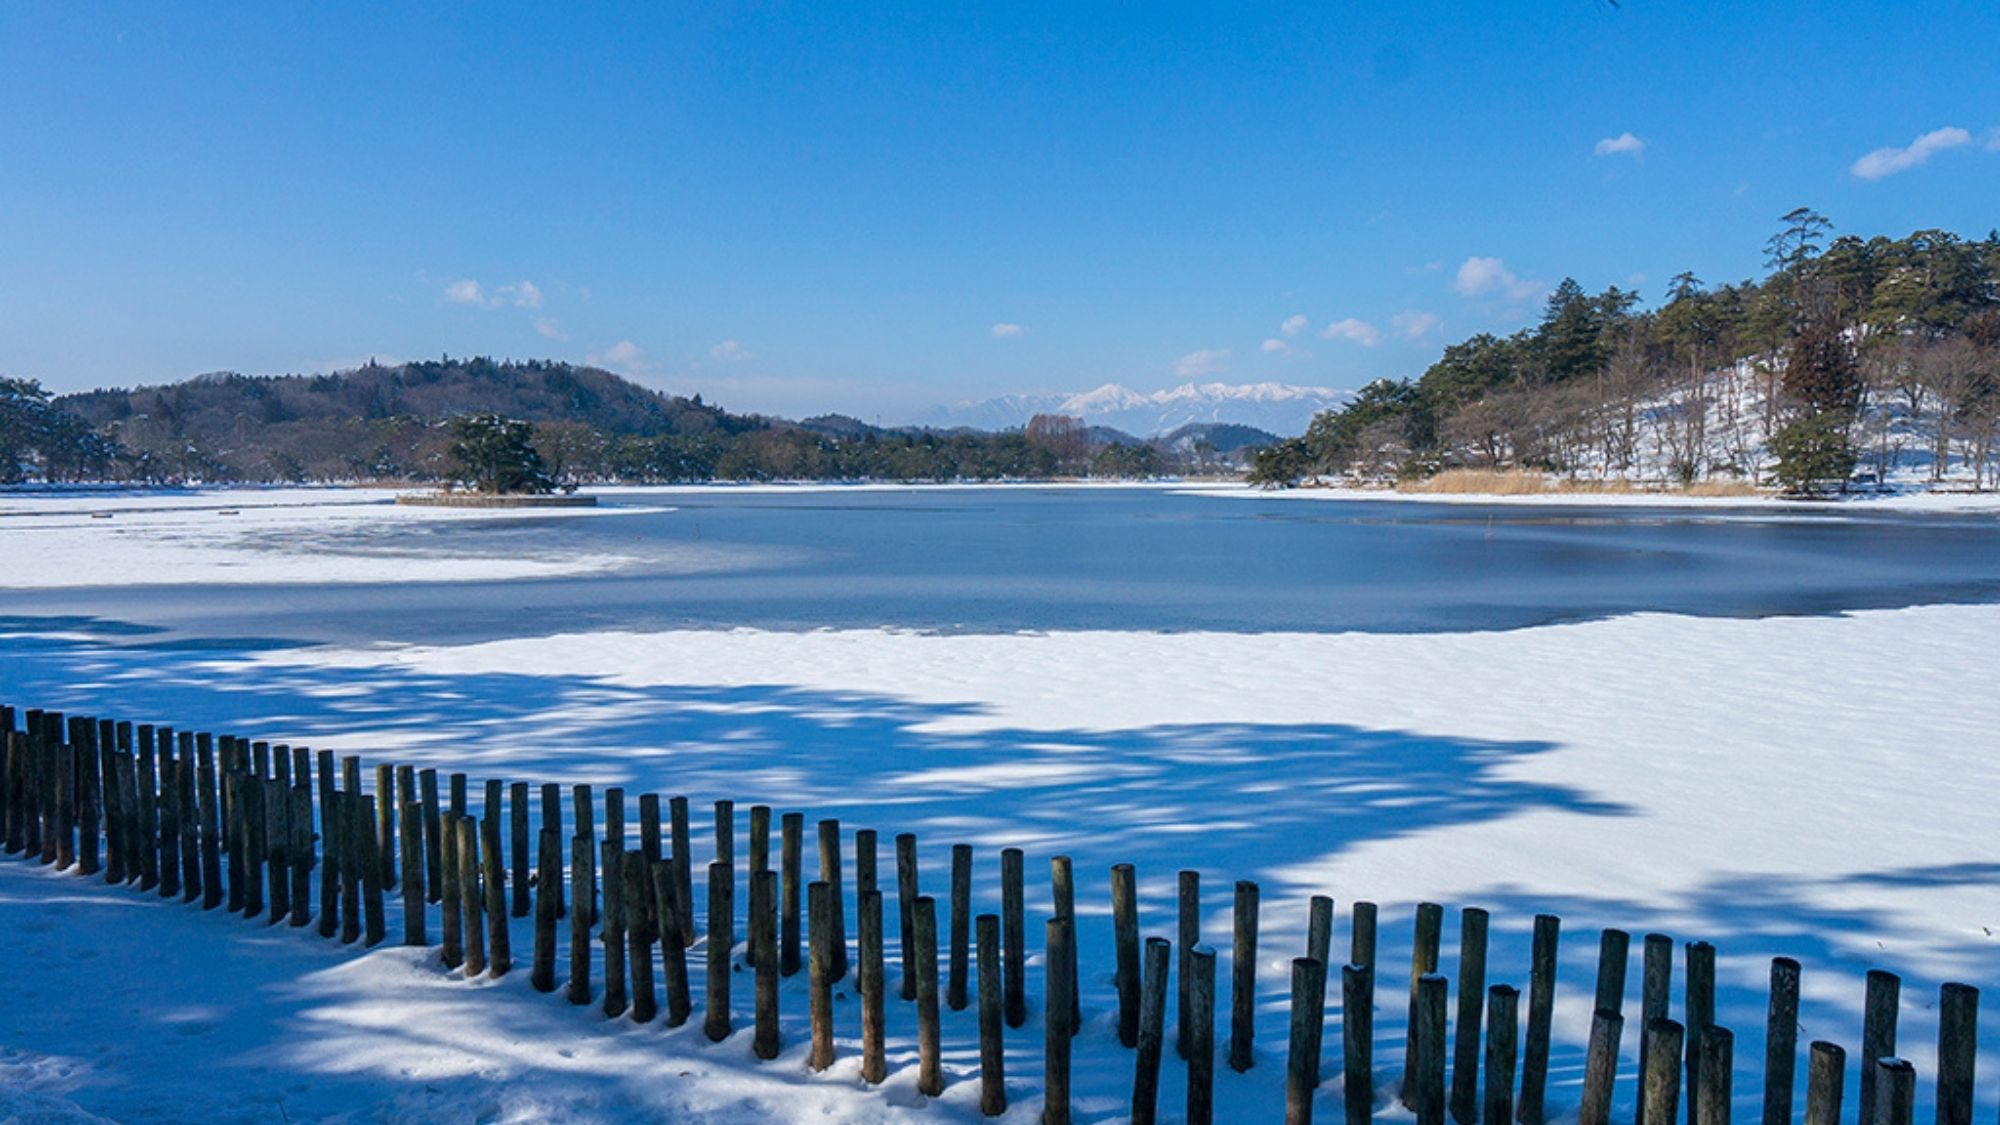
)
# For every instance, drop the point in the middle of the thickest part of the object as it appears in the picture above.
(1878, 355)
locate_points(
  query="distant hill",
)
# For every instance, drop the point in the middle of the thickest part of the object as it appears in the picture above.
(1277, 408)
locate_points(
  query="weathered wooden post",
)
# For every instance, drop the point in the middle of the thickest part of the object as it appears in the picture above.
(613, 919)
(385, 823)
(1656, 984)
(471, 896)
(1424, 942)
(1201, 1037)
(1878, 1034)
(1319, 928)
(148, 837)
(874, 1002)
(277, 800)
(614, 819)
(725, 837)
(961, 926)
(1826, 1079)
(819, 973)
(1711, 1095)
(1895, 1091)
(451, 908)
(651, 839)
(1958, 1041)
(1357, 1035)
(250, 843)
(552, 822)
(584, 813)
(1473, 923)
(1308, 1021)
(1541, 1011)
(1243, 976)
(1428, 1047)
(1152, 1031)
(1660, 1070)
(673, 954)
(864, 862)
(683, 861)
(1600, 1069)
(411, 832)
(548, 876)
(363, 831)
(1056, 1025)
(637, 896)
(1125, 940)
(906, 905)
(992, 1047)
(829, 873)
(760, 839)
(764, 942)
(1698, 1004)
(1189, 931)
(300, 849)
(791, 827)
(1503, 1024)
(499, 952)
(582, 873)
(517, 845)
(1781, 1042)
(170, 819)
(930, 1066)
(427, 784)
(1062, 891)
(211, 828)
(721, 940)
(1013, 934)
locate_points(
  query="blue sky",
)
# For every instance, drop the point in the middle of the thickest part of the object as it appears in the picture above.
(873, 208)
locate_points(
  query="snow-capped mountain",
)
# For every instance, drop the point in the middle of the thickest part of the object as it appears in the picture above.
(1278, 407)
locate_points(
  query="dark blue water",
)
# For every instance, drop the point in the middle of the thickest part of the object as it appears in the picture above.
(993, 560)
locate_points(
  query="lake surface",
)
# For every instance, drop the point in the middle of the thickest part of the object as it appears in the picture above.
(1009, 559)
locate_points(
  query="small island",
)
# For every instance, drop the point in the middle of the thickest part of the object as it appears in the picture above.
(496, 466)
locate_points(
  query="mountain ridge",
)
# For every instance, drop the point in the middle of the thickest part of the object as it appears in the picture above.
(1281, 408)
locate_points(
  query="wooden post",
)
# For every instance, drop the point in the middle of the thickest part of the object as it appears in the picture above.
(1125, 940)
(864, 862)
(611, 861)
(1781, 1042)
(673, 954)
(1319, 929)
(1600, 1069)
(584, 814)
(211, 828)
(1243, 977)
(1895, 1091)
(1472, 929)
(385, 823)
(347, 842)
(1056, 1026)
(1424, 942)
(277, 801)
(1711, 1096)
(452, 907)
(1541, 1010)
(190, 819)
(329, 846)
(250, 843)
(1699, 1009)
(406, 796)
(725, 837)
(1503, 1024)
(819, 973)
(499, 954)
(637, 896)
(760, 841)
(764, 941)
(170, 817)
(1428, 1047)
(472, 900)
(906, 906)
(147, 839)
(683, 861)
(868, 928)
(1013, 935)
(836, 920)
(1357, 1035)
(517, 845)
(1189, 930)
(930, 1067)
(1958, 1042)
(1613, 955)
(961, 926)
(548, 876)
(791, 826)
(992, 1047)
(1826, 1079)
(1201, 1037)
(552, 822)
(1660, 1069)
(1152, 1031)
(411, 831)
(1308, 1020)
(427, 785)
(1062, 891)
(1878, 1035)
(363, 833)
(721, 940)
(1656, 984)
(300, 850)
(582, 873)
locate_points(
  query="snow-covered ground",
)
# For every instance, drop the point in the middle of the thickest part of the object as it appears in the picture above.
(1815, 787)
(1915, 499)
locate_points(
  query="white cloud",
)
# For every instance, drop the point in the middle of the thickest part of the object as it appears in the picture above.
(1888, 161)
(1993, 139)
(550, 330)
(1623, 143)
(1004, 330)
(1413, 324)
(624, 357)
(465, 292)
(1292, 326)
(521, 294)
(1275, 346)
(1357, 331)
(1479, 277)
(1207, 361)
(728, 351)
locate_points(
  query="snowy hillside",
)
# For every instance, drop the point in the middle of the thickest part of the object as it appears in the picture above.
(1280, 408)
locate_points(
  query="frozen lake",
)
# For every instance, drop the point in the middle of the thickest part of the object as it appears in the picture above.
(1011, 559)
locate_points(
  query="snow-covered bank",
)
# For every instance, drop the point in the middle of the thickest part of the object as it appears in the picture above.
(1817, 787)
(1912, 501)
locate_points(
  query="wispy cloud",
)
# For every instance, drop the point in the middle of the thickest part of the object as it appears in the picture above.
(549, 329)
(1275, 346)
(520, 294)
(1005, 331)
(1293, 325)
(1413, 324)
(1207, 361)
(1624, 144)
(624, 357)
(1481, 277)
(465, 291)
(1353, 330)
(1889, 161)
(728, 351)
